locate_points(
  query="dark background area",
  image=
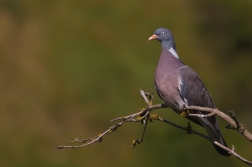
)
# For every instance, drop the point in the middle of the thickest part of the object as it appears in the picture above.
(68, 67)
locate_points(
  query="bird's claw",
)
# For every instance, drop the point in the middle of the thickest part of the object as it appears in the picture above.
(185, 112)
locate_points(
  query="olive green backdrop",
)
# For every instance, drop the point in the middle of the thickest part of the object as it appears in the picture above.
(68, 67)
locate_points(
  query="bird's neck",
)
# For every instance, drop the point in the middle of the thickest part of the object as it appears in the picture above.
(168, 44)
(169, 57)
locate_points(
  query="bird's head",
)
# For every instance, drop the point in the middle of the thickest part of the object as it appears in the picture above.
(164, 36)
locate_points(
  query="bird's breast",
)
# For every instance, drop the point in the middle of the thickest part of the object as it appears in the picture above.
(167, 85)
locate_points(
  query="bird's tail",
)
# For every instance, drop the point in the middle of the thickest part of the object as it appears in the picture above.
(219, 149)
(215, 134)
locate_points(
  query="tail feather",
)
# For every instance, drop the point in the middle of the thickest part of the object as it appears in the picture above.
(221, 150)
(215, 134)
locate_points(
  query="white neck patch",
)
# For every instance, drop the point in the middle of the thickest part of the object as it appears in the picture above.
(173, 52)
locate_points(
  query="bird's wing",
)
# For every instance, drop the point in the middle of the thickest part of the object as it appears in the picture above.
(194, 93)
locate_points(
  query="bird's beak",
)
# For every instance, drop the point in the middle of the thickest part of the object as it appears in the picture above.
(152, 37)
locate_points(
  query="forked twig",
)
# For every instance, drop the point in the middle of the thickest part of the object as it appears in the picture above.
(144, 116)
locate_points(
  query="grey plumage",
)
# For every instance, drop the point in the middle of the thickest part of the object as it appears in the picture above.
(179, 85)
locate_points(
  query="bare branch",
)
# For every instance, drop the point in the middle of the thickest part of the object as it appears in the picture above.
(232, 121)
(190, 131)
(231, 151)
(144, 116)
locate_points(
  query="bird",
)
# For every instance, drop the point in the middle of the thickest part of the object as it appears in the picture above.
(178, 85)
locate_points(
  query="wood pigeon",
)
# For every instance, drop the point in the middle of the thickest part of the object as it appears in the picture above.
(179, 86)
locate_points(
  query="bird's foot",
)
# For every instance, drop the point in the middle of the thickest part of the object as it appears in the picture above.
(185, 112)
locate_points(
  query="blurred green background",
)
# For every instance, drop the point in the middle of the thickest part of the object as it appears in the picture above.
(68, 67)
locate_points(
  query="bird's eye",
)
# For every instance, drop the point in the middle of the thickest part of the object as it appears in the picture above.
(162, 33)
